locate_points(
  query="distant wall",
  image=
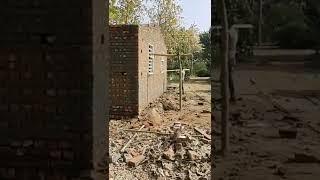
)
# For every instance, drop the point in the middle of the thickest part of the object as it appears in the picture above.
(124, 71)
(53, 110)
(151, 86)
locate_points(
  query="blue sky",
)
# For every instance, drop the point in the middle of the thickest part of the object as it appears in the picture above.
(196, 12)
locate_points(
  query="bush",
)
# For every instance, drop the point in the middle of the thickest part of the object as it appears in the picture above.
(203, 73)
(173, 77)
(201, 69)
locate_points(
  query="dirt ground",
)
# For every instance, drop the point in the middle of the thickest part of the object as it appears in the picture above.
(274, 125)
(160, 117)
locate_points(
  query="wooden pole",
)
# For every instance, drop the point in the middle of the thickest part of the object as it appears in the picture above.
(131, 139)
(177, 70)
(171, 55)
(192, 71)
(225, 79)
(151, 132)
(180, 83)
(180, 69)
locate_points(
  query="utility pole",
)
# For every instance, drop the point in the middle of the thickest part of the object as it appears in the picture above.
(260, 23)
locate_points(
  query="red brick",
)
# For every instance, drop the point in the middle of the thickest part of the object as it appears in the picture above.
(136, 161)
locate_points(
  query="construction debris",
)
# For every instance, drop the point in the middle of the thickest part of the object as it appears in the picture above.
(115, 158)
(131, 139)
(153, 132)
(203, 133)
(126, 157)
(169, 154)
(200, 103)
(168, 105)
(161, 147)
(136, 161)
(192, 155)
(154, 117)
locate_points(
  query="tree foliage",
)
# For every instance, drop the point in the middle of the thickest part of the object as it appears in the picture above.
(179, 39)
(206, 46)
(167, 14)
(186, 40)
(126, 11)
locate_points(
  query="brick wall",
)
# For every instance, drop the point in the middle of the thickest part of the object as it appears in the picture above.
(151, 86)
(48, 89)
(132, 87)
(124, 71)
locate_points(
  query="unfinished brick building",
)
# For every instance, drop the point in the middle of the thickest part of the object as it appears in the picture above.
(137, 76)
(53, 98)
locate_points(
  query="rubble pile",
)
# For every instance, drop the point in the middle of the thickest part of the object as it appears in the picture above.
(164, 143)
(178, 151)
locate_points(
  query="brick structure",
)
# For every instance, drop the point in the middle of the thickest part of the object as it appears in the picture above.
(52, 88)
(137, 77)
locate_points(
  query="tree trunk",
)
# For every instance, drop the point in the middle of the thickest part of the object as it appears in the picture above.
(225, 77)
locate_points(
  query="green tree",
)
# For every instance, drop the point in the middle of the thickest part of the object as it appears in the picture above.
(186, 41)
(189, 42)
(126, 11)
(205, 53)
(114, 12)
(206, 46)
(166, 14)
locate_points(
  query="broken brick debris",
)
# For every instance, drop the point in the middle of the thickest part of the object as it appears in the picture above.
(133, 162)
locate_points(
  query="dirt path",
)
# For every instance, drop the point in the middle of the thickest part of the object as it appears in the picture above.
(258, 151)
